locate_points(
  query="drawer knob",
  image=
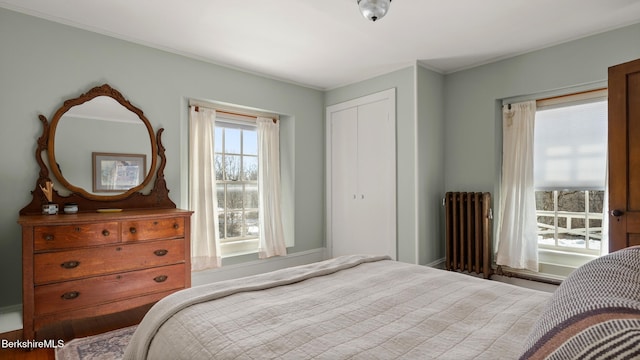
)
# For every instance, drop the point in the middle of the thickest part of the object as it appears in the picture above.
(161, 252)
(176, 226)
(48, 237)
(70, 295)
(160, 278)
(105, 232)
(70, 264)
(132, 230)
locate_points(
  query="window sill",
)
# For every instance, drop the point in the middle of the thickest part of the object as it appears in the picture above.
(553, 266)
(564, 258)
(560, 264)
(238, 248)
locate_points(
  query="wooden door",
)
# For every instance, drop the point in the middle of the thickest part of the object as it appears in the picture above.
(624, 155)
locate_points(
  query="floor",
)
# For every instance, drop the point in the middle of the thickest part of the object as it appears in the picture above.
(69, 330)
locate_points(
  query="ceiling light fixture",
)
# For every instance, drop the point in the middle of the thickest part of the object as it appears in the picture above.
(374, 9)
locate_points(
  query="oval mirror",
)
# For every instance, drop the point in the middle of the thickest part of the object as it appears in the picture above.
(101, 146)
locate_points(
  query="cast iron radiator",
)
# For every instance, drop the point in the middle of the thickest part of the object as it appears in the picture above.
(468, 231)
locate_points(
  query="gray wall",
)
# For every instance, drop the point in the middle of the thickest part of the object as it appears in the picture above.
(43, 63)
(431, 157)
(472, 98)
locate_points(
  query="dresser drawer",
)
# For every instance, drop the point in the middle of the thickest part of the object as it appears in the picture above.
(104, 289)
(136, 230)
(73, 264)
(69, 236)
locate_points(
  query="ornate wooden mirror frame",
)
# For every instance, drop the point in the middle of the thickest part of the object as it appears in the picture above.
(157, 197)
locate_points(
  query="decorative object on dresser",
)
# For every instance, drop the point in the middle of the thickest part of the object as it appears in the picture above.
(107, 252)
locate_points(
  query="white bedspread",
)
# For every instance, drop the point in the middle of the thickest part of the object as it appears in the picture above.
(354, 307)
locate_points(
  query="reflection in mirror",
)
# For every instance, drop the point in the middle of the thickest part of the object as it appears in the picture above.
(100, 125)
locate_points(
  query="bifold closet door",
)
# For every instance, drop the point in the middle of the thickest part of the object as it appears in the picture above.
(344, 179)
(363, 175)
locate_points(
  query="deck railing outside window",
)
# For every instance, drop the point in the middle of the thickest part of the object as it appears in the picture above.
(570, 220)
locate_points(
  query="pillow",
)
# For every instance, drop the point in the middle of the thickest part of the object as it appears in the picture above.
(594, 313)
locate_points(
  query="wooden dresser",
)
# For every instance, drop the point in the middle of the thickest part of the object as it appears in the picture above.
(89, 264)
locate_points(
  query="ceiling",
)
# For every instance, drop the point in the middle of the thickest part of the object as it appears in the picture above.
(326, 44)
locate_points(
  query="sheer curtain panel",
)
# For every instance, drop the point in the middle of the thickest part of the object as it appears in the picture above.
(205, 247)
(517, 224)
(271, 232)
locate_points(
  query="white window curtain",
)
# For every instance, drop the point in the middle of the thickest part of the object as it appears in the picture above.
(517, 227)
(271, 231)
(205, 247)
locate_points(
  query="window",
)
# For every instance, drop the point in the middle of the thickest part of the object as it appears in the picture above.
(236, 168)
(570, 151)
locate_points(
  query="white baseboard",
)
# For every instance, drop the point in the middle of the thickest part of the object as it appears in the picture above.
(439, 264)
(257, 267)
(10, 318)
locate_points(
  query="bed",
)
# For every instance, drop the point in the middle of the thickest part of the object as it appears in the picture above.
(356, 307)
(370, 307)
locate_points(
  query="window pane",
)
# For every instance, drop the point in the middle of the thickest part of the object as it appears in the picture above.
(571, 201)
(232, 140)
(596, 201)
(221, 227)
(250, 142)
(234, 224)
(220, 196)
(251, 196)
(232, 167)
(253, 228)
(544, 200)
(545, 217)
(571, 218)
(219, 169)
(217, 145)
(234, 196)
(250, 164)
